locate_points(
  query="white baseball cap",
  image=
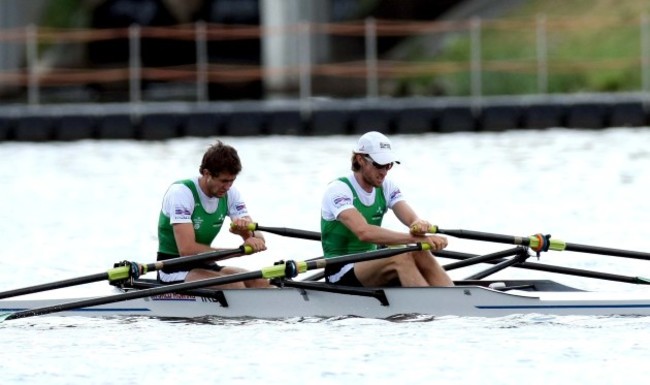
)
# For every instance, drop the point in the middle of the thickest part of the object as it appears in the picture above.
(377, 146)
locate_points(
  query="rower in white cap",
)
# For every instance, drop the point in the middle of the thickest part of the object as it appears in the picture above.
(351, 214)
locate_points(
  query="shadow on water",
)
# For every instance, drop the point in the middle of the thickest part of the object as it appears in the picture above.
(500, 323)
(212, 320)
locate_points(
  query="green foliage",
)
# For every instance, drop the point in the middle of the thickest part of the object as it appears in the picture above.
(64, 14)
(592, 46)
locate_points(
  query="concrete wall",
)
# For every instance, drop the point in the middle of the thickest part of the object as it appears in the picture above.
(162, 121)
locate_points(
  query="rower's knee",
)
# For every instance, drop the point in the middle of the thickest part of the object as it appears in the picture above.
(403, 262)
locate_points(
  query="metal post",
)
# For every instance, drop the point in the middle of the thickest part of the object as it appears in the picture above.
(645, 56)
(542, 55)
(201, 62)
(304, 48)
(135, 71)
(33, 89)
(372, 84)
(476, 60)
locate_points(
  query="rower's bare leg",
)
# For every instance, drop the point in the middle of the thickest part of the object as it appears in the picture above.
(199, 274)
(381, 271)
(259, 283)
(251, 283)
(429, 267)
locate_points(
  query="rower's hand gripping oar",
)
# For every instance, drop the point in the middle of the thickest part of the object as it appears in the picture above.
(287, 232)
(540, 243)
(287, 269)
(126, 270)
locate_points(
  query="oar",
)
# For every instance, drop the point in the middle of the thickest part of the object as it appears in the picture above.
(545, 267)
(536, 242)
(287, 232)
(124, 272)
(288, 269)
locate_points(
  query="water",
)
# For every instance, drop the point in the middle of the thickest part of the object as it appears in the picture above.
(72, 209)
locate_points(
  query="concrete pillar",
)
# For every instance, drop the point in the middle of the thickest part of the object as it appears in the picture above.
(16, 14)
(280, 44)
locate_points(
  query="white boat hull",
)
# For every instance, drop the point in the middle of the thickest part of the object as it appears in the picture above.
(287, 302)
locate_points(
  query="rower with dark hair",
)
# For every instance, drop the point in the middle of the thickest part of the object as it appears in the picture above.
(193, 212)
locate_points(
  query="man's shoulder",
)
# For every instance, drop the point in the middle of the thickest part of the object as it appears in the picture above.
(179, 193)
(178, 187)
(233, 192)
(338, 186)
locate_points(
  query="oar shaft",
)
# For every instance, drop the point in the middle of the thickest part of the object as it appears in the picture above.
(481, 236)
(275, 271)
(203, 257)
(54, 285)
(367, 256)
(607, 251)
(549, 268)
(504, 263)
(476, 259)
(287, 232)
(534, 242)
(222, 280)
(123, 272)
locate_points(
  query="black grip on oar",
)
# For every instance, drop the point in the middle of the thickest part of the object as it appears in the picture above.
(287, 232)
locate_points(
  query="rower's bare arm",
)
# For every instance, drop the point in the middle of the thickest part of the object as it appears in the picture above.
(366, 232)
(253, 239)
(186, 241)
(405, 213)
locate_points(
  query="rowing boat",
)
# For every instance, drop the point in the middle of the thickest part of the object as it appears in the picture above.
(315, 299)
(473, 296)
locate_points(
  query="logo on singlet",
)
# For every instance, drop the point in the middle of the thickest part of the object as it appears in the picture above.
(219, 221)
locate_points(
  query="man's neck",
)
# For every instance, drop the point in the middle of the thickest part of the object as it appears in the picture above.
(202, 185)
(367, 187)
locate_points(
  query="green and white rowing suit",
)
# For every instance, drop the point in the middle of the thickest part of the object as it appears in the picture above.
(185, 202)
(345, 193)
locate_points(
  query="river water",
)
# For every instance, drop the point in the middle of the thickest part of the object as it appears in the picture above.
(73, 209)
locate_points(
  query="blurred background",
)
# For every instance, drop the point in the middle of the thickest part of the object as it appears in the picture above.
(456, 55)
